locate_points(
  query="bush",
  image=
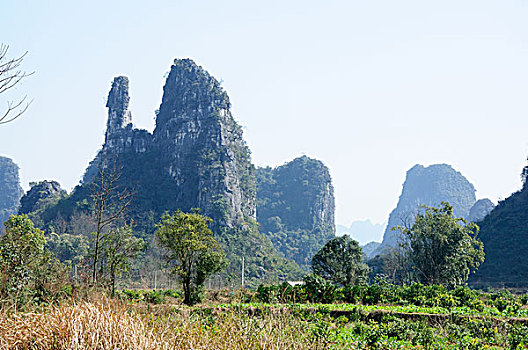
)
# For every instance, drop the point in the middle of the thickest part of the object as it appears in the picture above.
(319, 290)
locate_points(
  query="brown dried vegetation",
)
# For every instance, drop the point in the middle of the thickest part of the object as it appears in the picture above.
(102, 323)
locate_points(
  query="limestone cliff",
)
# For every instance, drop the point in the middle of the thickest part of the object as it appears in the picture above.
(296, 206)
(428, 186)
(195, 158)
(201, 147)
(10, 190)
(480, 209)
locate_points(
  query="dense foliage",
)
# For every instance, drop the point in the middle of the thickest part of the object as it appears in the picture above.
(416, 296)
(28, 272)
(295, 207)
(41, 196)
(504, 233)
(191, 250)
(340, 260)
(443, 249)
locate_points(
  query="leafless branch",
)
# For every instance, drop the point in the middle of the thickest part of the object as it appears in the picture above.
(10, 76)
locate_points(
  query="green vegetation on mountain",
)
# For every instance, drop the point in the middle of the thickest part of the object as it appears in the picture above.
(295, 207)
(42, 196)
(504, 232)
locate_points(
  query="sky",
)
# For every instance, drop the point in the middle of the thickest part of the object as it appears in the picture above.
(368, 87)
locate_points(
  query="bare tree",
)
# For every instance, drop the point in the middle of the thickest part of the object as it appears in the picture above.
(110, 205)
(10, 76)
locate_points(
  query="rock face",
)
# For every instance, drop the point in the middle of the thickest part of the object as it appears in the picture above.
(480, 209)
(10, 190)
(428, 186)
(196, 157)
(295, 207)
(201, 146)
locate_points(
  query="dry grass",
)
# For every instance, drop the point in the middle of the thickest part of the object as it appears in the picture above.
(107, 324)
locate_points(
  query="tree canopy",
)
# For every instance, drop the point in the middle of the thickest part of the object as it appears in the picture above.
(28, 271)
(340, 261)
(191, 250)
(443, 249)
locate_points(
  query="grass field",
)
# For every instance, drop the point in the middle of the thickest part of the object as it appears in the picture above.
(98, 322)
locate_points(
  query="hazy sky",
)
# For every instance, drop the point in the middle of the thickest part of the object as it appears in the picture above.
(368, 87)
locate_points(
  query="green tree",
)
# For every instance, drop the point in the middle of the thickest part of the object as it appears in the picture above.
(27, 271)
(443, 249)
(68, 248)
(191, 250)
(340, 260)
(119, 246)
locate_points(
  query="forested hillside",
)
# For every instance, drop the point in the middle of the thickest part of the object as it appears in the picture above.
(295, 207)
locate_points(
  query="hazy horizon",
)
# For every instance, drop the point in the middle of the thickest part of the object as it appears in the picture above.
(370, 89)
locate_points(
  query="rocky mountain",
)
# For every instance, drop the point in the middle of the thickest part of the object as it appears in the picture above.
(295, 207)
(196, 154)
(363, 231)
(504, 232)
(10, 189)
(41, 196)
(428, 186)
(480, 209)
(195, 158)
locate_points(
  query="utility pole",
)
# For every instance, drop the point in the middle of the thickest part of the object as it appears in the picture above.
(242, 272)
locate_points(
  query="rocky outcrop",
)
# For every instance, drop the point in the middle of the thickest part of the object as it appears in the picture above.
(295, 207)
(428, 186)
(201, 146)
(119, 117)
(196, 157)
(480, 209)
(10, 189)
(41, 195)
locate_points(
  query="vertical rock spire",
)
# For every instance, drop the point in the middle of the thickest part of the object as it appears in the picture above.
(119, 116)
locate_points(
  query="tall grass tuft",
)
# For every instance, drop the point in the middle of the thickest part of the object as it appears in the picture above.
(102, 323)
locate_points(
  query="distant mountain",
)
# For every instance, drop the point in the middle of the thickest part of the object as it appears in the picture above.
(295, 207)
(430, 186)
(10, 189)
(370, 248)
(480, 209)
(363, 231)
